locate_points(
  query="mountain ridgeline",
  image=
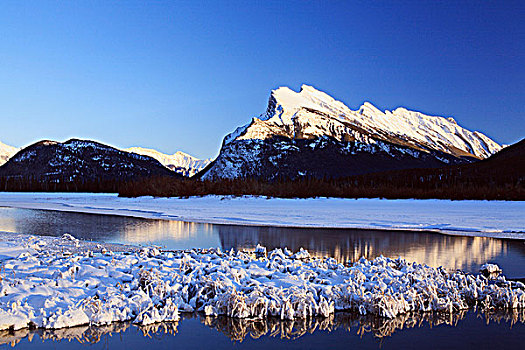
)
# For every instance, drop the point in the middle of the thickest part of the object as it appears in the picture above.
(499, 177)
(6, 152)
(310, 134)
(179, 162)
(76, 165)
(305, 144)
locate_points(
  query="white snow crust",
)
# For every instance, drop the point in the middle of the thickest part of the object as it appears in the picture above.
(63, 282)
(497, 219)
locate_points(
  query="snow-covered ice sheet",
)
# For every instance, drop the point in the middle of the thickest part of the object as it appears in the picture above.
(63, 282)
(501, 219)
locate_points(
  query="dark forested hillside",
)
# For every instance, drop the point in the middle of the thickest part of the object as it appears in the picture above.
(76, 165)
(92, 167)
(502, 176)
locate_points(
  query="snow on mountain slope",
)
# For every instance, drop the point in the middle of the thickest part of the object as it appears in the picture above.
(180, 162)
(311, 119)
(80, 161)
(6, 152)
(310, 113)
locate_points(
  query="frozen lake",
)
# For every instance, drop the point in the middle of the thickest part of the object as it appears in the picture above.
(343, 330)
(433, 249)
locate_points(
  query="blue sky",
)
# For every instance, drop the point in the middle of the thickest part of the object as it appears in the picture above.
(179, 75)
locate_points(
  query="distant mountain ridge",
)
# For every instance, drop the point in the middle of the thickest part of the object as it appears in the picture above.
(308, 133)
(498, 177)
(305, 134)
(7, 152)
(79, 162)
(179, 162)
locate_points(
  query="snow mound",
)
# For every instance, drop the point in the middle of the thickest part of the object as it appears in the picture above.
(63, 289)
(490, 270)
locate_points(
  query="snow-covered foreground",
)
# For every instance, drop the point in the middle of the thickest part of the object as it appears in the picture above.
(498, 219)
(62, 282)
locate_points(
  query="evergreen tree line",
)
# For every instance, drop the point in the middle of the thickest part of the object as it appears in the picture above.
(33, 184)
(490, 180)
(422, 184)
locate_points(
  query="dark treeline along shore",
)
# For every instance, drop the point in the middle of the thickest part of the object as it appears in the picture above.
(499, 177)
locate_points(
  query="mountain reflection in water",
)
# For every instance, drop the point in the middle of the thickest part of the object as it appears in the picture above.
(451, 252)
(239, 330)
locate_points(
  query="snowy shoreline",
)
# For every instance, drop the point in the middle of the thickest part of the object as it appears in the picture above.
(53, 283)
(497, 219)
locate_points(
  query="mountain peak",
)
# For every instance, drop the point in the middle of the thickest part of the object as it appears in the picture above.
(368, 108)
(289, 112)
(311, 118)
(308, 96)
(179, 162)
(80, 162)
(7, 152)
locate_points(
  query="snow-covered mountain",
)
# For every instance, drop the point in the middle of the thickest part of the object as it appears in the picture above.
(179, 162)
(80, 161)
(6, 152)
(308, 133)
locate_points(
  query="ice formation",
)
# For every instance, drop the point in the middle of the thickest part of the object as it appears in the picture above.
(63, 282)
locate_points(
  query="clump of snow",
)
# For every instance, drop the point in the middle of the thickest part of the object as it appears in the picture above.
(490, 270)
(51, 288)
(68, 237)
(260, 251)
